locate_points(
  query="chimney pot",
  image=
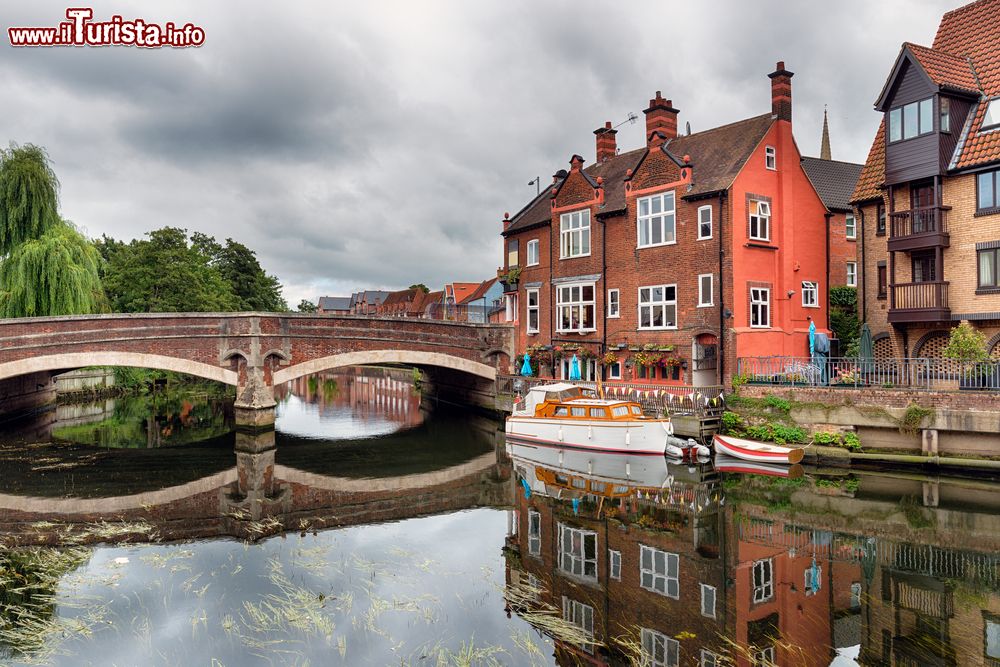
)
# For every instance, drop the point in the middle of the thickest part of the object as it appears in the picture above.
(606, 145)
(661, 116)
(781, 92)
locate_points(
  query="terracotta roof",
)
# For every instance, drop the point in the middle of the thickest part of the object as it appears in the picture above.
(717, 154)
(834, 181)
(402, 296)
(461, 291)
(480, 291)
(873, 172)
(945, 69)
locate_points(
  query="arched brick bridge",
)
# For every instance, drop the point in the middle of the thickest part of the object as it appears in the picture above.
(256, 351)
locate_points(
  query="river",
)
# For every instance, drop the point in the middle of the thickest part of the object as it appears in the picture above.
(368, 529)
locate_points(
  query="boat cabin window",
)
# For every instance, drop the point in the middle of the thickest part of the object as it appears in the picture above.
(579, 483)
(598, 412)
(562, 479)
(620, 411)
(597, 487)
(622, 489)
(579, 412)
(562, 411)
(569, 394)
(636, 410)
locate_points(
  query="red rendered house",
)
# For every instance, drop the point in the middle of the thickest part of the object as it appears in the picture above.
(667, 263)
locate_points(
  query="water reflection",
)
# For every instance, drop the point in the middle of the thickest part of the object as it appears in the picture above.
(405, 538)
(686, 566)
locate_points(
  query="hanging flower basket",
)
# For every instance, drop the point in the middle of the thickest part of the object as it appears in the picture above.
(610, 359)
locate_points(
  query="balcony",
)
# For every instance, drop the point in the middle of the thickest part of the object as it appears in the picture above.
(918, 229)
(919, 302)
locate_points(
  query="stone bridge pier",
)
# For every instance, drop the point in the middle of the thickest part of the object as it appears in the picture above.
(257, 351)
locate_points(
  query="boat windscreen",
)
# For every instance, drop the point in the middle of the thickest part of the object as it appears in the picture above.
(573, 392)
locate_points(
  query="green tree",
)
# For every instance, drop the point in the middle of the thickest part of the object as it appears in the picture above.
(966, 344)
(253, 287)
(29, 195)
(307, 306)
(55, 274)
(844, 320)
(163, 274)
(422, 287)
(46, 266)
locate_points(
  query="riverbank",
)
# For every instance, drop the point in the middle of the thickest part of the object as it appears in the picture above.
(839, 457)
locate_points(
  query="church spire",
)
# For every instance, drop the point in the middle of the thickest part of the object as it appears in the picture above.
(824, 151)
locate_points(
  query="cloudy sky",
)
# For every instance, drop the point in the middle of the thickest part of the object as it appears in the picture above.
(378, 144)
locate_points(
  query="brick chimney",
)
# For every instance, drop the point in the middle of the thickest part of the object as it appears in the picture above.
(607, 148)
(781, 92)
(661, 116)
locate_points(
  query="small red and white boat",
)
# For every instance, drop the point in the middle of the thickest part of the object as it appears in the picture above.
(761, 452)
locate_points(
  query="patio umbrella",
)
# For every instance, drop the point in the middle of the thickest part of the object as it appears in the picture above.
(574, 368)
(526, 366)
(866, 349)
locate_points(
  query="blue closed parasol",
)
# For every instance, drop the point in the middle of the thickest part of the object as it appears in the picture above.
(574, 368)
(526, 366)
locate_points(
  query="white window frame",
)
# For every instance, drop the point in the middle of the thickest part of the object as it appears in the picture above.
(530, 246)
(615, 371)
(534, 533)
(760, 219)
(510, 310)
(615, 564)
(614, 303)
(806, 580)
(579, 306)
(702, 221)
(810, 287)
(532, 310)
(669, 649)
(582, 616)
(850, 227)
(572, 225)
(650, 578)
(709, 659)
(575, 562)
(764, 657)
(765, 591)
(588, 369)
(708, 613)
(663, 304)
(852, 274)
(771, 158)
(759, 302)
(650, 219)
(702, 303)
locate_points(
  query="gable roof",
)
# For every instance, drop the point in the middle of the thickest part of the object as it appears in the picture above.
(834, 181)
(965, 58)
(717, 154)
(400, 297)
(461, 291)
(334, 303)
(873, 172)
(480, 291)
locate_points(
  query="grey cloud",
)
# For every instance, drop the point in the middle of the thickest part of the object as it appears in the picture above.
(377, 145)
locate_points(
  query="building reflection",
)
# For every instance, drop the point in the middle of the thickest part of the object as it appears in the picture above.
(623, 561)
(383, 394)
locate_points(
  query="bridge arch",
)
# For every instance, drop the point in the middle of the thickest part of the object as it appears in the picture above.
(406, 357)
(70, 360)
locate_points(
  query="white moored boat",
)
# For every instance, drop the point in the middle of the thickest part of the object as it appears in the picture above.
(560, 415)
(725, 463)
(761, 452)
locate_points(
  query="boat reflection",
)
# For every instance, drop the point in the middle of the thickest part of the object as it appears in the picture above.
(621, 562)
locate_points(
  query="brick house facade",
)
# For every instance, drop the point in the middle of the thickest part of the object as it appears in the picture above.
(667, 263)
(927, 197)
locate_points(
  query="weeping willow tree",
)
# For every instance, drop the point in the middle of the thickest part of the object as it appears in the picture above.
(46, 266)
(55, 274)
(29, 195)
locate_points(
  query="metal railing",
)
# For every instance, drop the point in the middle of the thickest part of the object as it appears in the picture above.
(655, 399)
(922, 220)
(917, 373)
(919, 296)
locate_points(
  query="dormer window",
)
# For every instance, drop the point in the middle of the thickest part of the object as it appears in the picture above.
(945, 111)
(911, 120)
(992, 118)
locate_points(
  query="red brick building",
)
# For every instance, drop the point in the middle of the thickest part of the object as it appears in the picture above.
(669, 262)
